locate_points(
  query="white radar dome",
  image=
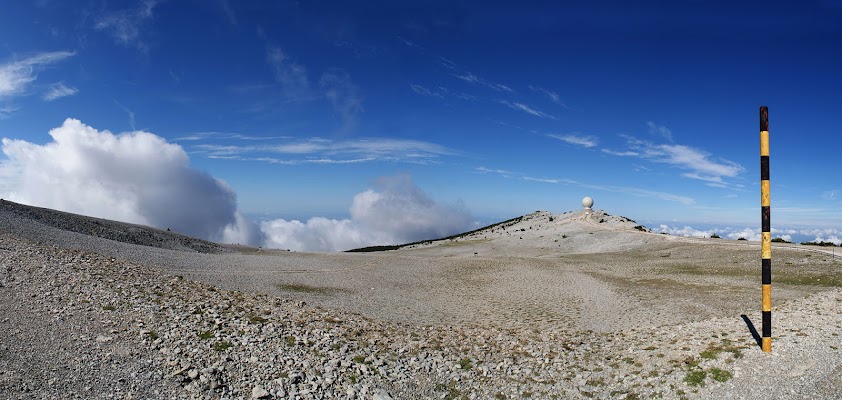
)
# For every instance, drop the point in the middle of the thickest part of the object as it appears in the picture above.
(587, 202)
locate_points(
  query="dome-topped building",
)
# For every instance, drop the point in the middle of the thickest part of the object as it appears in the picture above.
(587, 203)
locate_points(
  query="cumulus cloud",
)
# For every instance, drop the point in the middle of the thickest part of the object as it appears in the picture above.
(396, 211)
(135, 177)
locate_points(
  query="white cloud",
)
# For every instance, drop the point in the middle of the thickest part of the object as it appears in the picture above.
(16, 76)
(527, 109)
(126, 26)
(59, 90)
(700, 164)
(440, 92)
(622, 154)
(746, 233)
(409, 43)
(687, 201)
(447, 63)
(584, 141)
(542, 180)
(684, 231)
(659, 130)
(751, 234)
(397, 212)
(224, 135)
(129, 114)
(134, 177)
(312, 150)
(504, 173)
(823, 235)
(832, 239)
(695, 160)
(5, 111)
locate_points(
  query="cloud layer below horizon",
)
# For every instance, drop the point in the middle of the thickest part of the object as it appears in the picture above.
(397, 212)
(139, 177)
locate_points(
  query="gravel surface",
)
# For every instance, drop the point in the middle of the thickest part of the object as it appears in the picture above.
(574, 309)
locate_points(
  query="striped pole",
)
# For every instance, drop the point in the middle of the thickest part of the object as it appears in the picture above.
(766, 231)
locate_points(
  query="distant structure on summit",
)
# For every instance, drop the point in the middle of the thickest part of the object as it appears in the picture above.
(587, 203)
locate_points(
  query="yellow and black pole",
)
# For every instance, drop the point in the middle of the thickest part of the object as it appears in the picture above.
(766, 231)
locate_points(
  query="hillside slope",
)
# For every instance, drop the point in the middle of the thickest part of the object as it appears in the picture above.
(19, 217)
(572, 232)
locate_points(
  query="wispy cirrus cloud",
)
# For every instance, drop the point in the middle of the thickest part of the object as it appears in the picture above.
(527, 109)
(502, 172)
(549, 93)
(409, 43)
(6, 111)
(126, 26)
(471, 78)
(578, 140)
(344, 96)
(327, 151)
(659, 130)
(424, 91)
(224, 135)
(633, 191)
(292, 76)
(129, 113)
(542, 180)
(638, 192)
(283, 161)
(334, 85)
(700, 164)
(440, 92)
(225, 7)
(59, 90)
(621, 153)
(446, 63)
(16, 76)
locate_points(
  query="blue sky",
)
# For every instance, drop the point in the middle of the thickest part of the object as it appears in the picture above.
(494, 109)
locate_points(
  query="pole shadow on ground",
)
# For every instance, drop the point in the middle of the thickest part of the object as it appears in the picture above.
(753, 331)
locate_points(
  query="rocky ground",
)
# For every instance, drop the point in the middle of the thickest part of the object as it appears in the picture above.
(78, 323)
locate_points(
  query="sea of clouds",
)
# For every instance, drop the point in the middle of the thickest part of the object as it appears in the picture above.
(141, 178)
(795, 235)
